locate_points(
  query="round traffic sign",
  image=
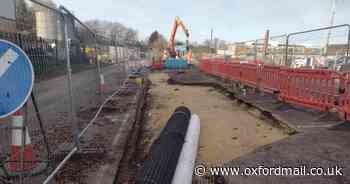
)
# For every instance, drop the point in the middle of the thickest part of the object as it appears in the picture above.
(16, 78)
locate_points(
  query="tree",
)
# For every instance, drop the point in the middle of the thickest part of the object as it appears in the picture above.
(157, 42)
(114, 31)
(153, 38)
(130, 36)
(24, 18)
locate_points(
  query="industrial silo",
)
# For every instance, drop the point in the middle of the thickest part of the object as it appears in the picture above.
(46, 20)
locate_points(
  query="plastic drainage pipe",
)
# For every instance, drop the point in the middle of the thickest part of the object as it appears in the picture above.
(187, 159)
(159, 167)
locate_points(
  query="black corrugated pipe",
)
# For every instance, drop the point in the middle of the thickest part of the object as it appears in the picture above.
(161, 163)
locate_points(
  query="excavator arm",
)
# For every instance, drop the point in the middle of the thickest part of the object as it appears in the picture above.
(171, 45)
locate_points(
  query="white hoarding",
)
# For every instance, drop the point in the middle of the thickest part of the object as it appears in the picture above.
(8, 9)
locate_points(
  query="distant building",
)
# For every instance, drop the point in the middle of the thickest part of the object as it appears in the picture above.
(25, 19)
(223, 52)
(337, 49)
(16, 16)
(7, 25)
(240, 49)
(50, 25)
(8, 16)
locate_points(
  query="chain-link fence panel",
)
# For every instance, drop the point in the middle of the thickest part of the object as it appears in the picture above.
(276, 50)
(76, 70)
(45, 125)
(320, 48)
(245, 50)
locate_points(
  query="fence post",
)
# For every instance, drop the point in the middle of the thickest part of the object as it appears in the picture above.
(99, 70)
(116, 52)
(255, 50)
(56, 54)
(72, 115)
(348, 45)
(286, 51)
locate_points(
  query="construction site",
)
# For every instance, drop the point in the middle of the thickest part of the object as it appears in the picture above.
(88, 102)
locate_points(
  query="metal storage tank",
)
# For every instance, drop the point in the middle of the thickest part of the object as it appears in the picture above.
(46, 20)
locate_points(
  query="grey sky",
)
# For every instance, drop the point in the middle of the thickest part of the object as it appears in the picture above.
(232, 20)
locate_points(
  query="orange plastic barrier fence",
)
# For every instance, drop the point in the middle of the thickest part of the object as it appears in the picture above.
(204, 65)
(234, 71)
(343, 104)
(222, 70)
(269, 79)
(318, 89)
(249, 74)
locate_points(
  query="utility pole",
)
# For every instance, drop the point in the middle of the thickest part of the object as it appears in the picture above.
(211, 40)
(266, 42)
(333, 12)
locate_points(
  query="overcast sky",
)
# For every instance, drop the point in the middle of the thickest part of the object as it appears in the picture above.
(232, 20)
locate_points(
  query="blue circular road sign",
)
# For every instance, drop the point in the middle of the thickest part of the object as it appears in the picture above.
(16, 78)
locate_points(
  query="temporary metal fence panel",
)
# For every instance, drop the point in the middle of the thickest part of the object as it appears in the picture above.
(276, 50)
(50, 92)
(258, 49)
(42, 52)
(246, 50)
(74, 73)
(319, 48)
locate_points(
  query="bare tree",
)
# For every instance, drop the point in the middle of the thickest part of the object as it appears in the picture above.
(157, 42)
(114, 31)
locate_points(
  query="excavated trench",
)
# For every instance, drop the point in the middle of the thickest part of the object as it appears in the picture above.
(229, 128)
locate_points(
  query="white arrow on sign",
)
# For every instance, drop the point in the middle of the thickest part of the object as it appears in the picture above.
(7, 60)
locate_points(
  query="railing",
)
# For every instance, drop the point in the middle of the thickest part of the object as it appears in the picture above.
(317, 89)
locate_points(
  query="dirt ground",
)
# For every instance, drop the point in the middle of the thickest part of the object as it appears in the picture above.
(227, 130)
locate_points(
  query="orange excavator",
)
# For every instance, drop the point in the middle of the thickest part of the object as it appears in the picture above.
(171, 53)
(171, 45)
